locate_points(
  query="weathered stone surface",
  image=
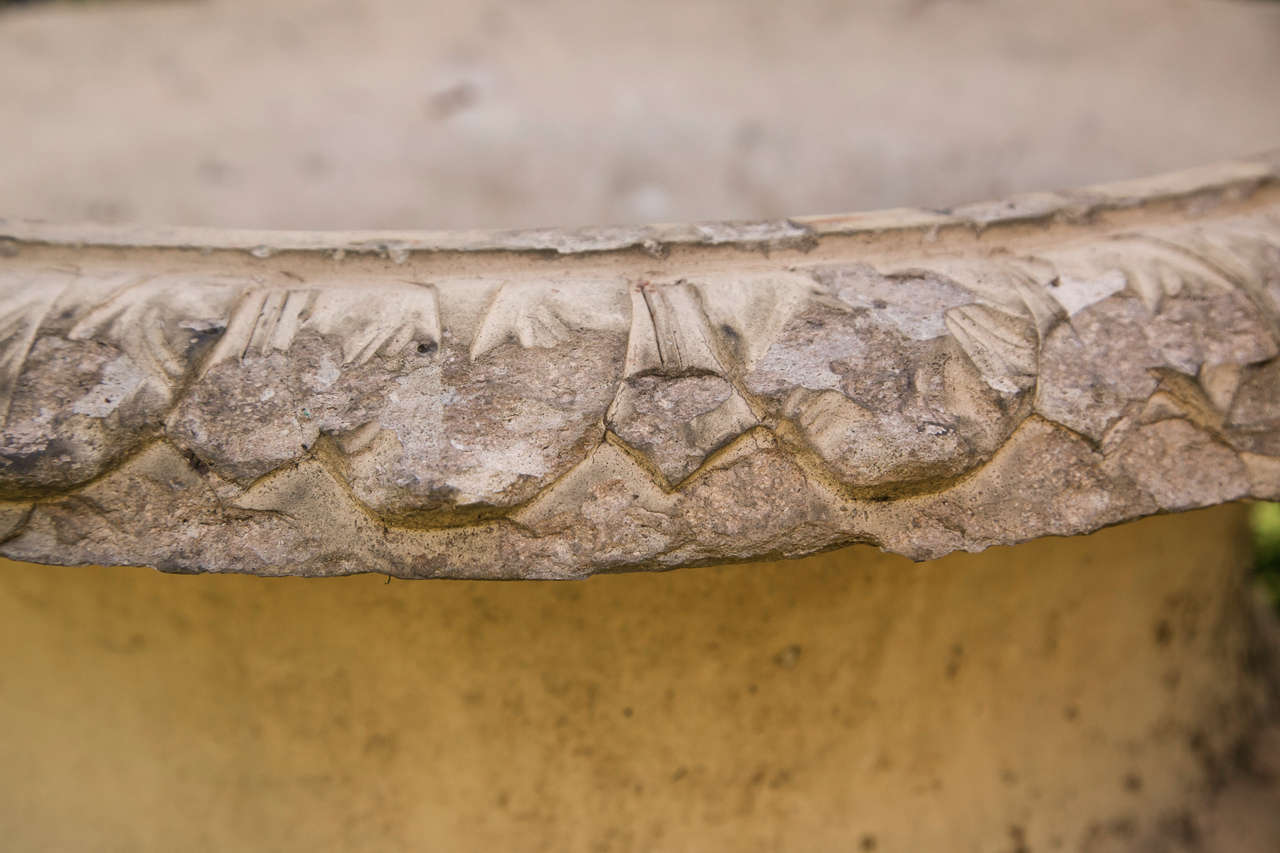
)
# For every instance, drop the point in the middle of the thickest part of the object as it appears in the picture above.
(1083, 689)
(553, 404)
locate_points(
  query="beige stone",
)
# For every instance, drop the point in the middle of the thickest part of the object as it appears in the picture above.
(1086, 694)
(553, 404)
(558, 401)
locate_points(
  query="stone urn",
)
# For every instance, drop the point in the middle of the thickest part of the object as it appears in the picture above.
(339, 314)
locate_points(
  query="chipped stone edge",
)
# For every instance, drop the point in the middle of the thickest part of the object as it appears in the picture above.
(1227, 180)
(1178, 196)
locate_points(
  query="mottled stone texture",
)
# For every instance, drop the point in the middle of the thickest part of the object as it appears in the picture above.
(556, 404)
(1100, 694)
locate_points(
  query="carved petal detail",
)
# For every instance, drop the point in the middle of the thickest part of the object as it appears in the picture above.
(550, 404)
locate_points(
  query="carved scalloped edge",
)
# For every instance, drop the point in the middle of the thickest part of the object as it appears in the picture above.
(921, 381)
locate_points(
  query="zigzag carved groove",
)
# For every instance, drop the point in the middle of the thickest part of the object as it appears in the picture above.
(553, 404)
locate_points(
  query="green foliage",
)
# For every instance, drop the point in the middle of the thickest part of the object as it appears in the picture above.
(1266, 539)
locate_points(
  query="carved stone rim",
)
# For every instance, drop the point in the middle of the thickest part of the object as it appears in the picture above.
(554, 403)
(1232, 179)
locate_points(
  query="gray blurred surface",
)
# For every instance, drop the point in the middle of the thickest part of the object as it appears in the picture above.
(409, 114)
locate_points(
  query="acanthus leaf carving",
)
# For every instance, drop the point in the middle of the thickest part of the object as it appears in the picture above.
(23, 307)
(1003, 346)
(385, 322)
(541, 314)
(669, 332)
(598, 410)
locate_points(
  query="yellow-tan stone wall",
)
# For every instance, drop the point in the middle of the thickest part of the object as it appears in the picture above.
(852, 700)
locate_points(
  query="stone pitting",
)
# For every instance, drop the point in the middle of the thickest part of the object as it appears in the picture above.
(553, 404)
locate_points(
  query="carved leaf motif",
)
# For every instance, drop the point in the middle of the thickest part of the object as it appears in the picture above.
(1248, 257)
(1152, 270)
(365, 323)
(826, 417)
(675, 405)
(910, 300)
(1015, 286)
(749, 311)
(774, 403)
(1167, 264)
(669, 332)
(22, 308)
(1043, 308)
(1002, 346)
(545, 314)
(153, 321)
(989, 281)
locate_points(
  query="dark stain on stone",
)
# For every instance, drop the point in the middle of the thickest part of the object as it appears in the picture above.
(1211, 765)
(1181, 827)
(1132, 782)
(868, 842)
(954, 661)
(1122, 827)
(197, 464)
(382, 745)
(1197, 742)
(789, 657)
(1018, 836)
(28, 465)
(1245, 761)
(1164, 633)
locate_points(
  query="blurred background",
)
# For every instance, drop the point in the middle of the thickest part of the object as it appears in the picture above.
(526, 113)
